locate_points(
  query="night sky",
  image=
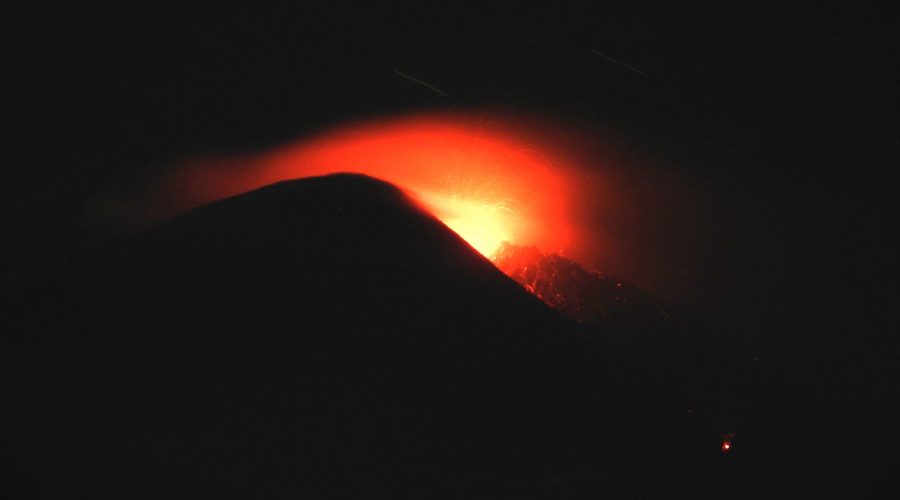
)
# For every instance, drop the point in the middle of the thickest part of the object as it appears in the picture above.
(778, 114)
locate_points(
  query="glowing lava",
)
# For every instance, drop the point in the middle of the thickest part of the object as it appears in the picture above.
(482, 181)
(484, 224)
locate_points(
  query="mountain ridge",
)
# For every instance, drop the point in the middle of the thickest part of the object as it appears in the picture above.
(408, 352)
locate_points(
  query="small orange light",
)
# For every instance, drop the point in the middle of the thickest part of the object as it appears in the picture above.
(726, 442)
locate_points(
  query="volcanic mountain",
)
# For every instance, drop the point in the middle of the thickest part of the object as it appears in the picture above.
(317, 337)
(589, 298)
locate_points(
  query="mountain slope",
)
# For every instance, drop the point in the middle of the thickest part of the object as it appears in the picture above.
(322, 335)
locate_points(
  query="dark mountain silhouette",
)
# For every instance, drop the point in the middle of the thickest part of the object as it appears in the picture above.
(317, 336)
(326, 337)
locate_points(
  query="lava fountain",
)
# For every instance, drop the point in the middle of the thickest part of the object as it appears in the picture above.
(530, 194)
(481, 180)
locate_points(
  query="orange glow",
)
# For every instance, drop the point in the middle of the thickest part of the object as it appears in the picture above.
(726, 443)
(483, 223)
(482, 181)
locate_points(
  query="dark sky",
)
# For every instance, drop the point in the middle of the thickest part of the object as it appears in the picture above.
(782, 110)
(797, 92)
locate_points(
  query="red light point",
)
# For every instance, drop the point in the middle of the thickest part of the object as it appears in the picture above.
(726, 442)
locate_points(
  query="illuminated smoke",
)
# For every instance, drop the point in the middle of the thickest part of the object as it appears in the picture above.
(491, 178)
(481, 181)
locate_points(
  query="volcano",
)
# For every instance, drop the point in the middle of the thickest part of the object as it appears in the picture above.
(319, 336)
(328, 337)
(174, 324)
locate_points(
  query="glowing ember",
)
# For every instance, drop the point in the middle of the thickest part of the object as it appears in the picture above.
(590, 298)
(726, 443)
(484, 183)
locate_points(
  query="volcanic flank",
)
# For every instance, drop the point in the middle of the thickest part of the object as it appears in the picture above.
(589, 298)
(320, 336)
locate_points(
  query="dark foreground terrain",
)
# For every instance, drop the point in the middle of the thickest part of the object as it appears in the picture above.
(326, 338)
